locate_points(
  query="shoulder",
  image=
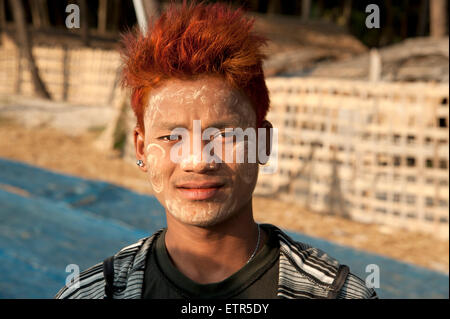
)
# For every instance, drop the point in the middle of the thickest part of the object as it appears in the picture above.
(308, 272)
(355, 288)
(91, 282)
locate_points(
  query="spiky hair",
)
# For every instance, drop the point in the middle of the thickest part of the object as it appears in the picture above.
(188, 41)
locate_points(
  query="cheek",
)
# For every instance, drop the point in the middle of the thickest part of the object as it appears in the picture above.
(155, 161)
(248, 169)
(248, 172)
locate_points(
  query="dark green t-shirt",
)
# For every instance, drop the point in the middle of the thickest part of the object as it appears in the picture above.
(257, 279)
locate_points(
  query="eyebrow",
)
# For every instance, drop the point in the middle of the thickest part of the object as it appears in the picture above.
(219, 125)
(223, 124)
(168, 125)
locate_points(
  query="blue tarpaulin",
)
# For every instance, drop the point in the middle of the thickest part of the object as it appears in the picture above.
(55, 220)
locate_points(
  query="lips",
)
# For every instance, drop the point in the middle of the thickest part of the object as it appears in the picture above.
(199, 190)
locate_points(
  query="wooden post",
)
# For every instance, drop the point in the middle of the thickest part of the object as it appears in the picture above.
(438, 18)
(375, 66)
(140, 15)
(65, 72)
(25, 47)
(106, 141)
(18, 82)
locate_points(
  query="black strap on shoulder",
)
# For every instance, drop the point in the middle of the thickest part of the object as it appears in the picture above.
(108, 273)
(338, 281)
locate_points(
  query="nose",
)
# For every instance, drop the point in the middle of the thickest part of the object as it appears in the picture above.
(195, 163)
(198, 159)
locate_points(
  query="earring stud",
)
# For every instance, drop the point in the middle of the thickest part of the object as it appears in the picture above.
(139, 163)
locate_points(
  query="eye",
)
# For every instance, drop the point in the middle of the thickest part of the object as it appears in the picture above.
(168, 138)
(224, 134)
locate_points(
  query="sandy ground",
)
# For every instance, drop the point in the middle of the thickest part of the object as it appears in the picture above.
(52, 149)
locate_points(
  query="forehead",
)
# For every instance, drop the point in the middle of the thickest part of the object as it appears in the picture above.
(209, 99)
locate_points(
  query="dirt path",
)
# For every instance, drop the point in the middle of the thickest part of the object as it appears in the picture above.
(50, 148)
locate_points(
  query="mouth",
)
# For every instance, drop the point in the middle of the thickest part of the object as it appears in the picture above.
(199, 191)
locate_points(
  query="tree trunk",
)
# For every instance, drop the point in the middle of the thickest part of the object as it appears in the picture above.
(102, 15)
(306, 9)
(274, 7)
(253, 5)
(25, 47)
(43, 8)
(404, 20)
(35, 14)
(2, 15)
(438, 18)
(115, 15)
(423, 18)
(387, 34)
(320, 8)
(39, 13)
(84, 22)
(347, 12)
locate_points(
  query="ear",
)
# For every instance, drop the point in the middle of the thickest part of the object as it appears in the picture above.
(268, 145)
(139, 145)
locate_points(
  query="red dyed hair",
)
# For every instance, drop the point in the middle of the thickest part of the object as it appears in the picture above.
(192, 40)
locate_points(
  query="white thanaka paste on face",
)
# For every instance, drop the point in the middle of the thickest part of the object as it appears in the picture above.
(215, 97)
(153, 162)
(200, 92)
(185, 96)
(200, 214)
(190, 161)
(151, 114)
(190, 96)
(155, 101)
(203, 100)
(238, 102)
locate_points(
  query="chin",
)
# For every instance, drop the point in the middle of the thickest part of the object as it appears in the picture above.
(200, 215)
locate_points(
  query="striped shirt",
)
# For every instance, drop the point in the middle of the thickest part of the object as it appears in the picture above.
(304, 272)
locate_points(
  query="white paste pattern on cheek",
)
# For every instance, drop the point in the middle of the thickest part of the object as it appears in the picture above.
(153, 160)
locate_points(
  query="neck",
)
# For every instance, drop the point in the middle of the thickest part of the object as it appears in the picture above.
(212, 254)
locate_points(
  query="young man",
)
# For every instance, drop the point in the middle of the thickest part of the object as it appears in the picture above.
(194, 76)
